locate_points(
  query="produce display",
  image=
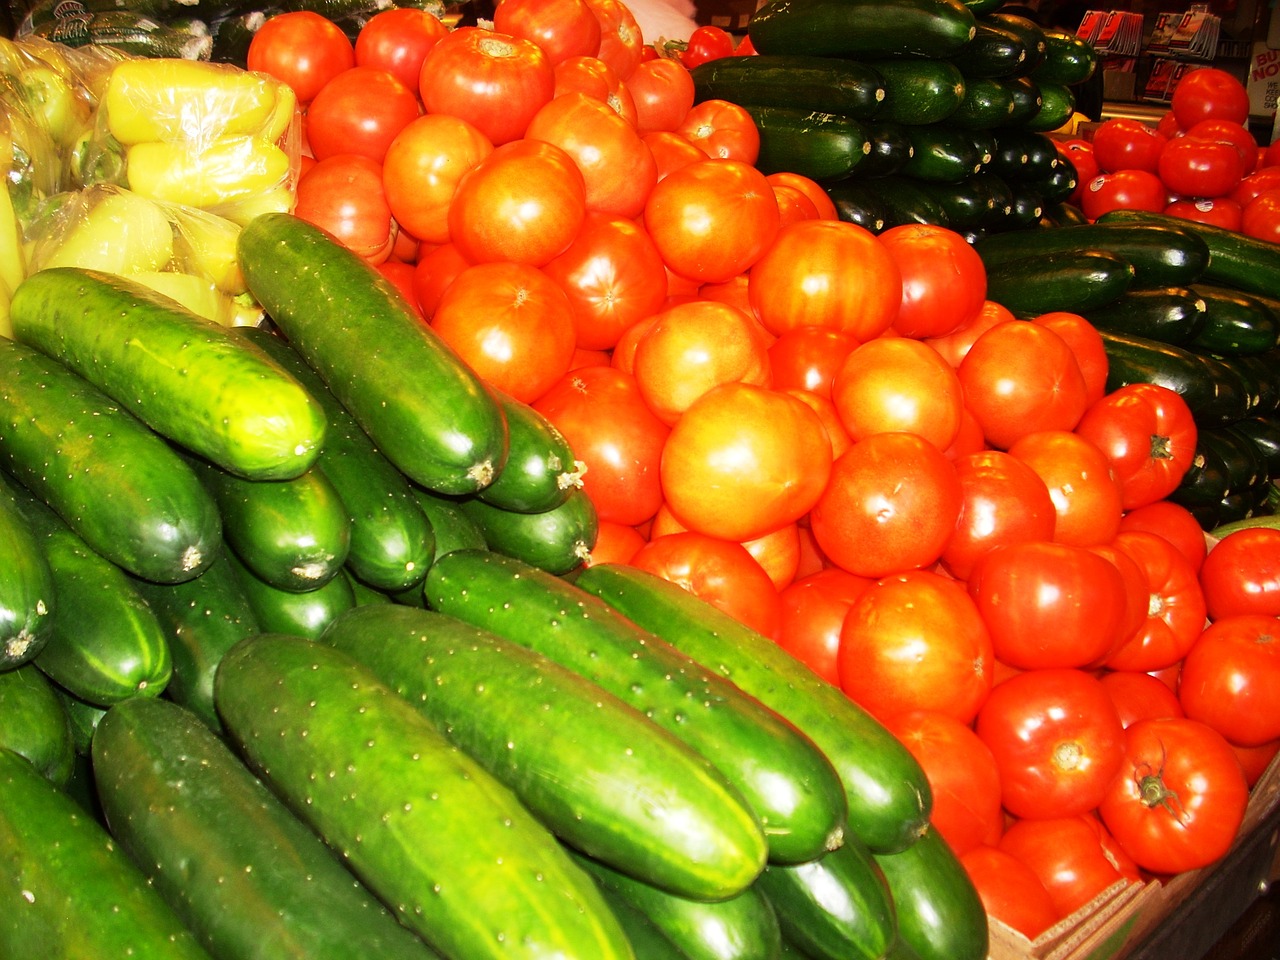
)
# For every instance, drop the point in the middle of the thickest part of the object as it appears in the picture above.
(524, 490)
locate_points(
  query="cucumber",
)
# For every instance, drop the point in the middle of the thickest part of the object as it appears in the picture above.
(540, 471)
(788, 782)
(1033, 36)
(1236, 323)
(1044, 283)
(647, 941)
(454, 528)
(110, 477)
(1168, 314)
(887, 792)
(919, 91)
(391, 540)
(995, 51)
(1028, 101)
(837, 907)
(189, 379)
(432, 834)
(815, 144)
(124, 32)
(1068, 59)
(965, 204)
(248, 877)
(359, 334)
(904, 200)
(34, 724)
(557, 540)
(1264, 433)
(73, 892)
(828, 84)
(1214, 390)
(1024, 154)
(603, 777)
(987, 103)
(941, 153)
(303, 614)
(890, 148)
(859, 202)
(27, 604)
(84, 717)
(1057, 105)
(862, 28)
(1259, 371)
(1057, 185)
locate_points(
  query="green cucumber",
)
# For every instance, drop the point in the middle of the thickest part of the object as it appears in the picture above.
(815, 144)
(1236, 323)
(837, 907)
(541, 469)
(116, 482)
(1033, 36)
(557, 540)
(302, 613)
(84, 717)
(1057, 105)
(391, 541)
(788, 782)
(1214, 390)
(901, 200)
(1168, 314)
(1068, 59)
(603, 777)
(1043, 283)
(987, 103)
(248, 877)
(887, 792)
(859, 202)
(965, 204)
(366, 342)
(941, 153)
(1024, 154)
(1259, 372)
(940, 916)
(919, 91)
(1061, 214)
(187, 378)
(34, 724)
(428, 830)
(1264, 433)
(1026, 208)
(27, 604)
(862, 28)
(828, 84)
(73, 892)
(1058, 184)
(647, 941)
(890, 149)
(995, 51)
(1027, 100)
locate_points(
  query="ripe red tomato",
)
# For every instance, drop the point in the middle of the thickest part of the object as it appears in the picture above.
(1121, 143)
(822, 201)
(1075, 858)
(344, 195)
(1266, 178)
(706, 43)
(615, 543)
(1056, 739)
(1241, 574)
(1123, 190)
(1174, 608)
(301, 48)
(422, 169)
(595, 78)
(1228, 131)
(1193, 167)
(1080, 481)
(777, 552)
(663, 92)
(813, 608)
(1009, 890)
(1178, 798)
(807, 358)
(1217, 211)
(953, 346)
(1229, 678)
(1261, 217)
(361, 110)
(671, 150)
(1175, 523)
(434, 271)
(397, 40)
(1209, 93)
(1087, 346)
(895, 384)
(621, 39)
(722, 129)
(944, 281)
(562, 28)
(1140, 696)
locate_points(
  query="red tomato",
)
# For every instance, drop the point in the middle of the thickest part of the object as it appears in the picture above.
(1056, 739)
(435, 270)
(1228, 131)
(1075, 858)
(1256, 760)
(813, 608)
(301, 48)
(1174, 609)
(1087, 346)
(397, 40)
(1009, 890)
(562, 28)
(663, 92)
(1179, 797)
(1168, 125)
(1218, 212)
(1241, 574)
(706, 43)
(1230, 677)
(401, 276)
(344, 195)
(1209, 93)
(600, 412)
(671, 151)
(1266, 178)
(1194, 167)
(1080, 481)
(621, 39)
(953, 346)
(830, 417)
(495, 81)
(615, 543)
(595, 78)
(1140, 696)
(361, 110)
(1079, 153)
(1175, 523)
(807, 358)
(723, 130)
(422, 169)
(1260, 218)
(944, 281)
(1121, 143)
(822, 201)
(792, 205)
(777, 552)
(1123, 190)
(915, 641)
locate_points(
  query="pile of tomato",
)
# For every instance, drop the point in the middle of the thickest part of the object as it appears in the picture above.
(831, 434)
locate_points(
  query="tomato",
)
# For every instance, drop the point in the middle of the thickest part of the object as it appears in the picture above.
(663, 92)
(511, 324)
(813, 608)
(595, 78)
(615, 543)
(397, 40)
(915, 641)
(1241, 574)
(944, 281)
(1229, 678)
(743, 460)
(807, 358)
(1270, 156)
(343, 194)
(890, 505)
(1175, 523)
(1169, 126)
(1179, 797)
(822, 201)
(962, 777)
(562, 28)
(706, 43)
(1140, 696)
(722, 129)
(671, 151)
(1217, 211)
(777, 552)
(1079, 154)
(602, 415)
(1009, 890)
(1087, 346)
(524, 202)
(621, 39)
(1228, 131)
(422, 168)
(433, 273)
(495, 81)
(793, 205)
(1137, 589)
(1261, 217)
(1209, 93)
(826, 273)
(300, 48)
(1174, 609)
(1056, 739)
(1084, 490)
(711, 220)
(969, 438)
(830, 417)
(1123, 190)
(1255, 761)
(719, 571)
(953, 346)
(361, 110)
(401, 276)
(1019, 378)
(1194, 167)
(1047, 604)
(1075, 858)
(1121, 143)
(733, 292)
(1266, 178)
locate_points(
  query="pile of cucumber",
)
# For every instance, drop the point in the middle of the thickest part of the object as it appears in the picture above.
(301, 658)
(913, 111)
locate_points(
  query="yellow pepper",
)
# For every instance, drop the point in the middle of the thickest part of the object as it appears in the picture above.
(207, 246)
(228, 169)
(112, 230)
(197, 294)
(12, 260)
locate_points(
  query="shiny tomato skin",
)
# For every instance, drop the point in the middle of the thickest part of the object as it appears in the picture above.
(1216, 212)
(1260, 218)
(1075, 858)
(1173, 522)
(1081, 483)
(1122, 143)
(361, 110)
(1241, 574)
(344, 195)
(1174, 611)
(1229, 678)
(813, 608)
(1194, 167)
(1086, 345)
(663, 92)
(562, 28)
(422, 168)
(1123, 190)
(1140, 696)
(1228, 131)
(301, 48)
(707, 42)
(807, 358)
(944, 281)
(1009, 890)
(397, 40)
(722, 129)
(1209, 93)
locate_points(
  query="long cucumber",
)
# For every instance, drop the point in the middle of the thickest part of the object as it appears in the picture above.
(34, 724)
(863, 28)
(602, 776)
(788, 782)
(26, 588)
(450, 849)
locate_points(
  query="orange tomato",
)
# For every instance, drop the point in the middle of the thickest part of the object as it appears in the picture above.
(1085, 494)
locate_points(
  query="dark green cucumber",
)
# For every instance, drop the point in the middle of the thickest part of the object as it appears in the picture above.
(743, 927)
(34, 724)
(995, 51)
(888, 794)
(1058, 185)
(862, 28)
(429, 831)
(1026, 208)
(556, 540)
(940, 916)
(1062, 214)
(365, 594)
(1259, 371)
(1001, 193)
(941, 153)
(987, 103)
(202, 618)
(391, 540)
(1027, 100)
(303, 613)
(116, 482)
(837, 907)
(294, 533)
(541, 469)
(899, 199)
(247, 876)
(828, 84)
(788, 782)
(27, 604)
(1024, 154)
(603, 777)
(647, 941)
(1068, 59)
(1235, 260)
(187, 378)
(890, 149)
(919, 91)
(364, 340)
(1043, 283)
(1264, 433)
(859, 202)
(1236, 323)
(1032, 34)
(73, 892)
(1214, 390)
(815, 144)
(1168, 314)
(84, 717)
(454, 528)
(1057, 106)
(965, 205)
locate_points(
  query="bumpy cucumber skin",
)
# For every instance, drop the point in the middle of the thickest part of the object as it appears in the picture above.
(357, 332)
(597, 772)
(70, 891)
(557, 540)
(888, 794)
(27, 603)
(249, 878)
(392, 540)
(540, 471)
(787, 781)
(454, 854)
(301, 613)
(186, 377)
(34, 724)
